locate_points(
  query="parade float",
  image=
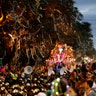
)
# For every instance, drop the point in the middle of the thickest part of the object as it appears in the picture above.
(61, 59)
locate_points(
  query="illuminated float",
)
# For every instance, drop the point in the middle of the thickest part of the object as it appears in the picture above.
(61, 59)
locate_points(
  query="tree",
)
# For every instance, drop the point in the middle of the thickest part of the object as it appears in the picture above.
(37, 25)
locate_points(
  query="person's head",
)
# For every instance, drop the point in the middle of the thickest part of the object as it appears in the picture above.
(89, 83)
(72, 91)
(85, 84)
(81, 87)
(89, 75)
(93, 66)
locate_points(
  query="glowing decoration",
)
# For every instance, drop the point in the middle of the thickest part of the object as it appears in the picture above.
(61, 54)
(58, 79)
(60, 49)
(57, 93)
(55, 85)
(57, 89)
(60, 57)
(52, 83)
(2, 16)
(86, 59)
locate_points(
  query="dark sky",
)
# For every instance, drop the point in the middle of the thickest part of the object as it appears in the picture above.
(88, 9)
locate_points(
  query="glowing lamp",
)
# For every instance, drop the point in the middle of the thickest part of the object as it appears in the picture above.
(60, 49)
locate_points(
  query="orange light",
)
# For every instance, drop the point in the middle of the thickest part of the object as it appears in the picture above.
(1, 17)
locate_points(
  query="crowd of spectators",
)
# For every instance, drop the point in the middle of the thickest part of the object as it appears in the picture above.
(15, 82)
